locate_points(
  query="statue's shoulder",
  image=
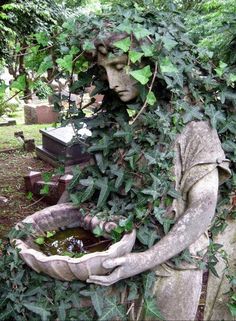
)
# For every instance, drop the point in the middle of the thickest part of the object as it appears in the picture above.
(196, 127)
(199, 132)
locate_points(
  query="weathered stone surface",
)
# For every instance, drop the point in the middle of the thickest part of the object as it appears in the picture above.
(217, 288)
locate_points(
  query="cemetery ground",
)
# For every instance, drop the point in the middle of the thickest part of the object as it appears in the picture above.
(15, 203)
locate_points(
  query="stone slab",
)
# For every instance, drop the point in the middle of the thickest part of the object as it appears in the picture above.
(58, 146)
(8, 123)
(63, 135)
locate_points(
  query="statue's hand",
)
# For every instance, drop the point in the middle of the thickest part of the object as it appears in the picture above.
(125, 267)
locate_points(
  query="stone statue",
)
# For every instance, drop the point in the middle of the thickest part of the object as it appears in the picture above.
(200, 166)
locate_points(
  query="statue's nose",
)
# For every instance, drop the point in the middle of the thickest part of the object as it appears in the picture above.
(112, 79)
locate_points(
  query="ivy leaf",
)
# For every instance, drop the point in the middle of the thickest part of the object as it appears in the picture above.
(151, 309)
(142, 75)
(128, 185)
(103, 185)
(173, 193)
(149, 280)
(229, 146)
(125, 26)
(215, 116)
(232, 308)
(39, 240)
(143, 234)
(98, 231)
(19, 83)
(221, 69)
(97, 298)
(88, 193)
(66, 62)
(169, 42)
(151, 99)
(88, 45)
(42, 38)
(123, 44)
(62, 311)
(232, 78)
(112, 309)
(50, 234)
(133, 292)
(87, 181)
(192, 113)
(166, 66)
(101, 162)
(127, 135)
(140, 32)
(148, 50)
(45, 65)
(120, 177)
(37, 310)
(135, 56)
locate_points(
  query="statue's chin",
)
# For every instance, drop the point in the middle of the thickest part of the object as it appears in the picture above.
(127, 97)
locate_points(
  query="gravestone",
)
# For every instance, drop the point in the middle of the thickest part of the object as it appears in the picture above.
(58, 146)
(39, 112)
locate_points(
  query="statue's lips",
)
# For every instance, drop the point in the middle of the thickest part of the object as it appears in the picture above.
(122, 92)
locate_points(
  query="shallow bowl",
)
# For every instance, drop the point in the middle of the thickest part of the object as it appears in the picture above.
(64, 267)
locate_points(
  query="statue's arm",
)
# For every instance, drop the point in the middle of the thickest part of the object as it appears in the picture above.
(202, 200)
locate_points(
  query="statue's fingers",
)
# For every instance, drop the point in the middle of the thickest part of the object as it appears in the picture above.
(104, 280)
(109, 226)
(111, 263)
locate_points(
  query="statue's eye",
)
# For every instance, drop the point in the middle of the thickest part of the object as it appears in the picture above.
(102, 73)
(120, 66)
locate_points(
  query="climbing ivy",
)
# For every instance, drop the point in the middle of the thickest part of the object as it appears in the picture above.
(131, 145)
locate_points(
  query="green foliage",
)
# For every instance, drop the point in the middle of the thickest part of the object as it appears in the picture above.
(213, 26)
(132, 172)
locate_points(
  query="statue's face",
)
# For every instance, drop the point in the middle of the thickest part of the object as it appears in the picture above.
(118, 79)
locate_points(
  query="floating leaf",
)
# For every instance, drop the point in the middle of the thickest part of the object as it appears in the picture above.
(50, 234)
(98, 231)
(40, 240)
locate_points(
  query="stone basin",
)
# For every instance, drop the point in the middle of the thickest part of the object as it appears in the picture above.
(64, 267)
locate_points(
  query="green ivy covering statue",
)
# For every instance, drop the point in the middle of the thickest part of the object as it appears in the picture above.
(157, 164)
(158, 160)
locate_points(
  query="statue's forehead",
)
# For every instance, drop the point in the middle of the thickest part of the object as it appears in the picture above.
(111, 59)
